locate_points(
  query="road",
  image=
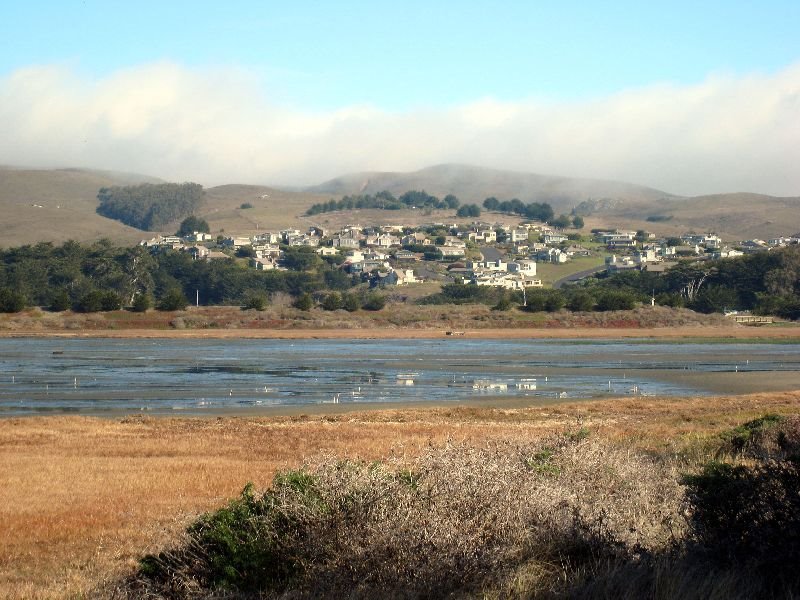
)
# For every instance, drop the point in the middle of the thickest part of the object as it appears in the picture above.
(579, 275)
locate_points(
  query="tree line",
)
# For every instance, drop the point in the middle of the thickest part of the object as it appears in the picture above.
(386, 201)
(101, 276)
(150, 206)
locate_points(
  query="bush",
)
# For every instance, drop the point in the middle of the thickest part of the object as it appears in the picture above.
(11, 301)
(90, 302)
(304, 302)
(110, 301)
(255, 301)
(580, 302)
(173, 300)
(245, 205)
(332, 301)
(60, 301)
(611, 300)
(351, 302)
(142, 303)
(748, 515)
(374, 302)
(456, 522)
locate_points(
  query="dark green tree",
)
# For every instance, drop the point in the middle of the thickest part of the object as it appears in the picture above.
(304, 302)
(332, 301)
(191, 224)
(141, 303)
(174, 299)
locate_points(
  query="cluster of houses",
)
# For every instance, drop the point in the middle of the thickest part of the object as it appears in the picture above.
(386, 255)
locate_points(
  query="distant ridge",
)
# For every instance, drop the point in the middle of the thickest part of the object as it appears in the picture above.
(474, 184)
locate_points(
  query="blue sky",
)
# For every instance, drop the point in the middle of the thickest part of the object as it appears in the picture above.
(690, 97)
(399, 55)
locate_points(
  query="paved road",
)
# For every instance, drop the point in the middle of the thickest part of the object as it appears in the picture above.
(579, 275)
(492, 254)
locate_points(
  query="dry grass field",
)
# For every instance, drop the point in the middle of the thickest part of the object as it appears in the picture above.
(84, 498)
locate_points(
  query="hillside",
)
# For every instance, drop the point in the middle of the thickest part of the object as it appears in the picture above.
(58, 205)
(612, 204)
(474, 184)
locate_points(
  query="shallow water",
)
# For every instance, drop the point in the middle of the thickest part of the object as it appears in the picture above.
(96, 376)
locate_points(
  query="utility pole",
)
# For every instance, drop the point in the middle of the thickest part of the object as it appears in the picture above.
(197, 297)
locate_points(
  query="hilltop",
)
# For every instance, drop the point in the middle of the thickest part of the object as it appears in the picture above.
(474, 184)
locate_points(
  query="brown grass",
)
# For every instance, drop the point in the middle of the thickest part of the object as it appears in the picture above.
(400, 319)
(83, 498)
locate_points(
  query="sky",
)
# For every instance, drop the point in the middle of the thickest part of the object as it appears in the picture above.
(687, 97)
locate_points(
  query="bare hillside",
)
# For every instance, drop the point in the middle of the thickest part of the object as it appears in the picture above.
(58, 205)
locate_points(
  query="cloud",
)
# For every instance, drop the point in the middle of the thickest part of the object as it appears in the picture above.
(219, 126)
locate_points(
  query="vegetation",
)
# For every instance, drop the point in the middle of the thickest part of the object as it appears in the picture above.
(386, 201)
(765, 282)
(534, 210)
(150, 206)
(568, 515)
(191, 225)
(469, 210)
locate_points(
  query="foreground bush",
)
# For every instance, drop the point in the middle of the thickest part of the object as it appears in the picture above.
(513, 519)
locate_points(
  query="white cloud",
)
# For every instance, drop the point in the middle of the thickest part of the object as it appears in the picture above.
(218, 126)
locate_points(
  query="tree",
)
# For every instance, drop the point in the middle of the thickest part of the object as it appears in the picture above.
(304, 302)
(255, 301)
(11, 301)
(611, 300)
(191, 224)
(469, 210)
(91, 301)
(141, 303)
(562, 222)
(577, 222)
(580, 302)
(351, 302)
(374, 302)
(332, 301)
(491, 203)
(110, 300)
(173, 300)
(60, 301)
(451, 201)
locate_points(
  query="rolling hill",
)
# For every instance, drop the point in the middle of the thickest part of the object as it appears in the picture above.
(59, 204)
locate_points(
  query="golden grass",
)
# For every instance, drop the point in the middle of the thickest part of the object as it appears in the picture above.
(83, 498)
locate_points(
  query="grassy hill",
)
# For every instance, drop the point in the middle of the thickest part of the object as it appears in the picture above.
(474, 184)
(59, 204)
(612, 203)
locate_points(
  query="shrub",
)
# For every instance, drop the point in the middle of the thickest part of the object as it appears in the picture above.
(173, 300)
(90, 302)
(245, 205)
(255, 301)
(374, 302)
(60, 301)
(351, 302)
(580, 302)
(142, 303)
(110, 301)
(611, 300)
(455, 522)
(11, 301)
(332, 301)
(304, 302)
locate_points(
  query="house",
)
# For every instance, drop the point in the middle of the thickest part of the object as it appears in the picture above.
(197, 252)
(524, 267)
(405, 255)
(518, 234)
(552, 255)
(383, 240)
(237, 242)
(727, 252)
(450, 252)
(416, 239)
(573, 251)
(262, 264)
(346, 242)
(326, 251)
(554, 238)
(619, 263)
(268, 238)
(216, 255)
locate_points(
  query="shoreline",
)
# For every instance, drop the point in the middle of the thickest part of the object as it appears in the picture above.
(708, 332)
